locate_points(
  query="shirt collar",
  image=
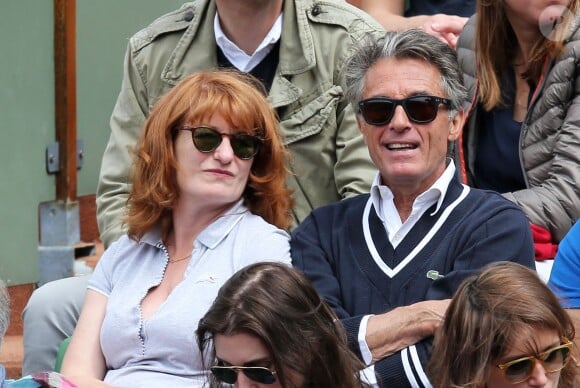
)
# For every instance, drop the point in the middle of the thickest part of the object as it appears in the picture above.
(237, 56)
(213, 234)
(435, 193)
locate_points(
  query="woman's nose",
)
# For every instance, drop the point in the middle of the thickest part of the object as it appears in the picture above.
(539, 377)
(244, 382)
(224, 153)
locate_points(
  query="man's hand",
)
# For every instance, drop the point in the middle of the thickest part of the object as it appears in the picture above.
(404, 326)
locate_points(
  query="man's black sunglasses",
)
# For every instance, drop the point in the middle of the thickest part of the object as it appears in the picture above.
(206, 139)
(419, 109)
(229, 374)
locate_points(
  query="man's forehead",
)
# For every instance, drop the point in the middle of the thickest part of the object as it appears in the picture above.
(396, 78)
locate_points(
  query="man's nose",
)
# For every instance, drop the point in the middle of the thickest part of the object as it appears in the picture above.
(400, 120)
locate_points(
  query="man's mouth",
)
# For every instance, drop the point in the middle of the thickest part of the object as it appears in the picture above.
(401, 146)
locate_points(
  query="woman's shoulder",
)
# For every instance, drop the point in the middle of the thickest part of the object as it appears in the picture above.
(126, 251)
(255, 224)
(255, 240)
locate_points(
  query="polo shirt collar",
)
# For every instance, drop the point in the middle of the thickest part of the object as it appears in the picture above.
(213, 234)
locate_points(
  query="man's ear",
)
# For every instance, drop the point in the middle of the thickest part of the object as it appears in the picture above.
(358, 122)
(456, 125)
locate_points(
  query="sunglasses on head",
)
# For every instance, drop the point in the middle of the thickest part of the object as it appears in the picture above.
(229, 374)
(419, 109)
(553, 360)
(206, 139)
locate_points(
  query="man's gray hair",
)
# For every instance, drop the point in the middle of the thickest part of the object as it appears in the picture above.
(4, 311)
(409, 44)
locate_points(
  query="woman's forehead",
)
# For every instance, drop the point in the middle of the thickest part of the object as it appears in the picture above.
(531, 341)
(240, 121)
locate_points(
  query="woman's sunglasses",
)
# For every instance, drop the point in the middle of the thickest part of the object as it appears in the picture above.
(553, 360)
(419, 109)
(206, 139)
(229, 374)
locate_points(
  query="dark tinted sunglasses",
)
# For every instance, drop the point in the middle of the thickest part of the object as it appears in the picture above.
(206, 139)
(553, 360)
(419, 109)
(229, 374)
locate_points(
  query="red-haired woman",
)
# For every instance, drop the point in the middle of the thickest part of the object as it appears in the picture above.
(208, 198)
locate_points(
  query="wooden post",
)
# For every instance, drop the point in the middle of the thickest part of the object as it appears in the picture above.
(65, 98)
(59, 219)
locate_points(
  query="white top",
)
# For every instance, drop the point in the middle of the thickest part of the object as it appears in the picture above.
(161, 351)
(237, 56)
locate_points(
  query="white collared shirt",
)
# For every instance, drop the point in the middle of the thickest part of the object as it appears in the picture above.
(237, 56)
(383, 202)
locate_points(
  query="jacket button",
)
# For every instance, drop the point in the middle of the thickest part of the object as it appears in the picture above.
(316, 10)
(188, 16)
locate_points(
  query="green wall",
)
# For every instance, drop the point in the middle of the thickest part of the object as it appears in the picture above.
(103, 31)
(27, 108)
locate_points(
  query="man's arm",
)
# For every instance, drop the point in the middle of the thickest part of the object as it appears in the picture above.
(126, 124)
(389, 13)
(404, 326)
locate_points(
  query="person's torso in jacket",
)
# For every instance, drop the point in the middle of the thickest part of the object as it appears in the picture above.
(329, 158)
(550, 136)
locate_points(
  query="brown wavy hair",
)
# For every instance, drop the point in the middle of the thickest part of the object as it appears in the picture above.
(496, 45)
(277, 304)
(490, 312)
(240, 99)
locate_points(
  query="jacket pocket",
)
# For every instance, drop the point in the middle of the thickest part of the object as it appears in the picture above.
(311, 118)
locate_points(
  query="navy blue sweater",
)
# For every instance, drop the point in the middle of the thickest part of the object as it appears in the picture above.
(471, 229)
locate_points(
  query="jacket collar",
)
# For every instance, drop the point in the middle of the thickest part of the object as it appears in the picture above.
(199, 34)
(297, 53)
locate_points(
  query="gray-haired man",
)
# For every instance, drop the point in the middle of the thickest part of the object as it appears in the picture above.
(388, 261)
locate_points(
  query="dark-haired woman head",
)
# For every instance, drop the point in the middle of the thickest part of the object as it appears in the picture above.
(268, 327)
(504, 328)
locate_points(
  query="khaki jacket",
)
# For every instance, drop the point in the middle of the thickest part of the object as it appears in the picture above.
(329, 159)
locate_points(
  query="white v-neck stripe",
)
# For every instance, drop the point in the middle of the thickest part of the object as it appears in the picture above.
(408, 370)
(419, 367)
(391, 272)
